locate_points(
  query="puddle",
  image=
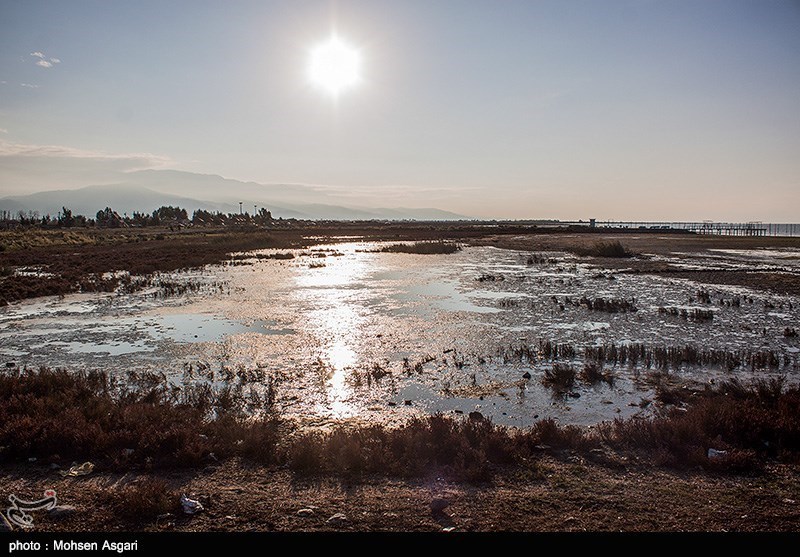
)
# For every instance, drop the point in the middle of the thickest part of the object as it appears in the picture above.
(343, 331)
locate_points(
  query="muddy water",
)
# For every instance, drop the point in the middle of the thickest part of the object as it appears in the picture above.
(343, 332)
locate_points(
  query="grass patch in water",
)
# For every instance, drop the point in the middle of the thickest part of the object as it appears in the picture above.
(441, 247)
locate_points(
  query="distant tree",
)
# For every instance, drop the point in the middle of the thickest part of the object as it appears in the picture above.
(140, 219)
(65, 218)
(167, 213)
(108, 218)
(264, 215)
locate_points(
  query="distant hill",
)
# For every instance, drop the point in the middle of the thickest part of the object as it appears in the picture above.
(147, 190)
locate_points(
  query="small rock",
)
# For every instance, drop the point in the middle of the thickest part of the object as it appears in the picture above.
(305, 512)
(448, 529)
(127, 452)
(475, 416)
(61, 511)
(439, 504)
(407, 402)
(337, 520)
(11, 364)
(574, 395)
(32, 459)
(458, 411)
(542, 447)
(54, 466)
(392, 403)
(526, 375)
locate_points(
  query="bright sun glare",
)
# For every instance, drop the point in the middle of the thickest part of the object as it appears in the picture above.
(334, 66)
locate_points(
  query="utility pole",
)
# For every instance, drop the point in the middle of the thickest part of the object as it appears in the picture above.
(240, 207)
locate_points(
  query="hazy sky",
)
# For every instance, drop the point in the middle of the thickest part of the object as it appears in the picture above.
(503, 109)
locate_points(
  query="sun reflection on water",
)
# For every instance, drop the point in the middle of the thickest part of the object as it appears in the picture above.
(336, 322)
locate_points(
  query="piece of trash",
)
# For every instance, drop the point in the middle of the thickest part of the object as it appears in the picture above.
(448, 529)
(338, 518)
(61, 511)
(305, 512)
(190, 506)
(714, 454)
(79, 470)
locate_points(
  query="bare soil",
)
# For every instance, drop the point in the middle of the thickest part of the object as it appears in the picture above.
(559, 493)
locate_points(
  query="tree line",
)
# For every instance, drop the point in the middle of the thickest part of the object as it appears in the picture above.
(165, 215)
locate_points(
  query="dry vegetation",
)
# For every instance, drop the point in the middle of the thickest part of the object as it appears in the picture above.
(62, 417)
(429, 248)
(603, 249)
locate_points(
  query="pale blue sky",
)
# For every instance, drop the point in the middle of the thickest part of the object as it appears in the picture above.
(503, 109)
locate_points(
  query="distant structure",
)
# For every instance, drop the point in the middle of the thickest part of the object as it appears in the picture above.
(592, 223)
(753, 228)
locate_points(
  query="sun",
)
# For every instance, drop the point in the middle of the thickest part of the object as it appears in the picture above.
(334, 66)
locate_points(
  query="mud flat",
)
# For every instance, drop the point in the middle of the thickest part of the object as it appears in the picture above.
(344, 340)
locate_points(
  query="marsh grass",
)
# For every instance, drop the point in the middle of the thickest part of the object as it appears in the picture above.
(560, 377)
(144, 500)
(696, 314)
(594, 374)
(91, 255)
(60, 417)
(437, 247)
(603, 249)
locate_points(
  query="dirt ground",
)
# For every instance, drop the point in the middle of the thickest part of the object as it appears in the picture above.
(557, 494)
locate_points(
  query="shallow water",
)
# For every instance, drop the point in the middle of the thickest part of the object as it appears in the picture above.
(342, 331)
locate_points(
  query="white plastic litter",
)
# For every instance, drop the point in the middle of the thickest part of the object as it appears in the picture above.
(714, 453)
(190, 506)
(79, 470)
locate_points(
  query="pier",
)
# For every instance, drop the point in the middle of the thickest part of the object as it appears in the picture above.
(709, 227)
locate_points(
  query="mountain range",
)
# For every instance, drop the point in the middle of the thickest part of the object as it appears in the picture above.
(147, 190)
